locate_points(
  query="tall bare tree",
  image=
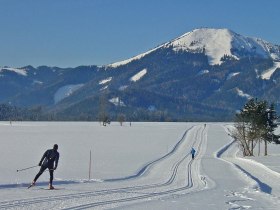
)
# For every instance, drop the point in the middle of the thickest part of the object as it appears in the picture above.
(103, 115)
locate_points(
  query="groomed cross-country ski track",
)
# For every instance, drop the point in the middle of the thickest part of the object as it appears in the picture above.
(174, 176)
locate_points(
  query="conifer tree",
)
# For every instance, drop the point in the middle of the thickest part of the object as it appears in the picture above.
(271, 126)
(256, 123)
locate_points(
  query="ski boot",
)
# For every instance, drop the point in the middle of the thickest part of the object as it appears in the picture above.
(32, 184)
(51, 187)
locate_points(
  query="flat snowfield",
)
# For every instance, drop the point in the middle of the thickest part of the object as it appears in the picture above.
(142, 166)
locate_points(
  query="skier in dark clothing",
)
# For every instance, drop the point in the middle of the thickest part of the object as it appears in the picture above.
(193, 153)
(50, 157)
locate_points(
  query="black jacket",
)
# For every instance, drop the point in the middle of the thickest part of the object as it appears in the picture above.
(50, 157)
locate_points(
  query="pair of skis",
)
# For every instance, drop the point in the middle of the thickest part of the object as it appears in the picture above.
(32, 185)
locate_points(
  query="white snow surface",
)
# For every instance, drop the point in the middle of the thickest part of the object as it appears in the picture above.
(104, 88)
(105, 81)
(142, 166)
(123, 87)
(232, 75)
(267, 74)
(117, 101)
(21, 72)
(66, 91)
(120, 63)
(242, 94)
(220, 42)
(138, 76)
(216, 43)
(37, 82)
(203, 72)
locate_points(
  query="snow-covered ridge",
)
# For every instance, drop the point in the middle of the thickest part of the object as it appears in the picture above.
(124, 62)
(22, 72)
(216, 43)
(219, 42)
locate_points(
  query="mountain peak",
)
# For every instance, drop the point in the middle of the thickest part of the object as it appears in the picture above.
(216, 43)
(219, 42)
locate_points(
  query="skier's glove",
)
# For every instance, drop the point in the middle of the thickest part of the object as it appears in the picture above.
(40, 164)
(54, 168)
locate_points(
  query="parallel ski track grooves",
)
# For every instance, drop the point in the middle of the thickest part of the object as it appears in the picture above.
(188, 186)
(21, 203)
(97, 193)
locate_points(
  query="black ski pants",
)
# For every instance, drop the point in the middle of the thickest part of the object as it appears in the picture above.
(42, 169)
(192, 156)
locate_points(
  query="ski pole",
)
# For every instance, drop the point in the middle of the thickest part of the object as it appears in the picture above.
(26, 168)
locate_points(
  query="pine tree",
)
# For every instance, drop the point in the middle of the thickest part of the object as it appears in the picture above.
(251, 114)
(255, 123)
(271, 126)
(246, 127)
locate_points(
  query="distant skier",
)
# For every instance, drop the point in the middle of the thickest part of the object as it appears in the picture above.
(50, 157)
(193, 152)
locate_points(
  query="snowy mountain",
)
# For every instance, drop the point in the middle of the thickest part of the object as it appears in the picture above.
(18, 71)
(29, 86)
(205, 74)
(216, 43)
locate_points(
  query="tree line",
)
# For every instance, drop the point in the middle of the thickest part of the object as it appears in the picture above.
(13, 113)
(255, 124)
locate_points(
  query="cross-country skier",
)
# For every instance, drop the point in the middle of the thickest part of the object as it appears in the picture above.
(50, 157)
(193, 153)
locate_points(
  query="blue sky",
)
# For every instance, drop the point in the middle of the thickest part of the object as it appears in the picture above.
(69, 33)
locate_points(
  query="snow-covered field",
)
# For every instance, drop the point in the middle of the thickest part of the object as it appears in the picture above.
(142, 166)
